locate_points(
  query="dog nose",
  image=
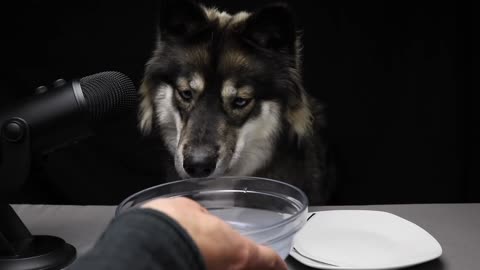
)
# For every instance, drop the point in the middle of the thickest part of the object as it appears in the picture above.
(200, 162)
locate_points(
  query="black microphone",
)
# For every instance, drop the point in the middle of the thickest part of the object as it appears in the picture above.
(39, 124)
(68, 112)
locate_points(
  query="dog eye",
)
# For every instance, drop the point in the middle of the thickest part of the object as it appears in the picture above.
(187, 95)
(240, 102)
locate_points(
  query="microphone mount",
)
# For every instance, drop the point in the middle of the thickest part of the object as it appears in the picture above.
(19, 249)
(15, 153)
(43, 123)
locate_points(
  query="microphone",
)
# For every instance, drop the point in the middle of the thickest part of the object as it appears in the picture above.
(39, 124)
(68, 112)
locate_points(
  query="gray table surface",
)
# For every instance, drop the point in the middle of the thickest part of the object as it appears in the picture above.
(455, 226)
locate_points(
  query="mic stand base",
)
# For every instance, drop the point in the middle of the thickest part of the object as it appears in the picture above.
(19, 249)
(40, 252)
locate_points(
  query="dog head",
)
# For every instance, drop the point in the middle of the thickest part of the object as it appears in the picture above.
(222, 88)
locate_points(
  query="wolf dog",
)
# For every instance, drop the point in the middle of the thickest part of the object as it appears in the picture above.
(225, 94)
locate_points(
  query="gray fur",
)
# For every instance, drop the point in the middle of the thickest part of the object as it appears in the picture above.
(278, 134)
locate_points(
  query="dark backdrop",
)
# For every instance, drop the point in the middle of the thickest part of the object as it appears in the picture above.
(394, 78)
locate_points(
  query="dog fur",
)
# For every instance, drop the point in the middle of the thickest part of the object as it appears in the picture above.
(225, 94)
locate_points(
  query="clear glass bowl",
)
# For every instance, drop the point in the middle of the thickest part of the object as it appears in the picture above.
(269, 212)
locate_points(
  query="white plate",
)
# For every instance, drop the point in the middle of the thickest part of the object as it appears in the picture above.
(362, 239)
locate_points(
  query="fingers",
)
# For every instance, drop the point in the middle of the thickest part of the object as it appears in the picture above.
(162, 203)
(195, 205)
(269, 259)
(211, 233)
(262, 257)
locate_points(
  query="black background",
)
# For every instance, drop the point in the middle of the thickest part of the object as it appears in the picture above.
(394, 77)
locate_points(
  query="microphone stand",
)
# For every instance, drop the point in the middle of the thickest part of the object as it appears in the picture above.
(19, 249)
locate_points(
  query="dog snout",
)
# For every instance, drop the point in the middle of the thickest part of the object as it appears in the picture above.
(200, 161)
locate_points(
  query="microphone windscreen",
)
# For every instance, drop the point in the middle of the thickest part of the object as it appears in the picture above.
(108, 93)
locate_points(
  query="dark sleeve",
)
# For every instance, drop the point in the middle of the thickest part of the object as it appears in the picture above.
(142, 239)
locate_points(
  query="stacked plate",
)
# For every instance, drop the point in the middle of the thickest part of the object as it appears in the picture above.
(361, 239)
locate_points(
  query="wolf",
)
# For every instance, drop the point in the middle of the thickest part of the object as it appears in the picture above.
(224, 92)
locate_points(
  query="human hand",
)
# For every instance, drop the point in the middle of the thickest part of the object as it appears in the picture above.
(220, 245)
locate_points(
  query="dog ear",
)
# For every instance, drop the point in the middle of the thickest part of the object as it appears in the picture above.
(272, 27)
(181, 18)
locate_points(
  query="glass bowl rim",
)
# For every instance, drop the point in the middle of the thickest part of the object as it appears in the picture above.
(290, 219)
